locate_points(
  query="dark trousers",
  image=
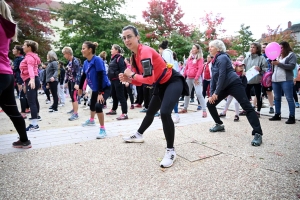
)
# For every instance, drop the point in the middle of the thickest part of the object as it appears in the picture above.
(9, 105)
(117, 93)
(128, 92)
(295, 95)
(237, 90)
(53, 88)
(148, 92)
(165, 101)
(257, 89)
(205, 86)
(140, 94)
(32, 97)
(23, 101)
(47, 91)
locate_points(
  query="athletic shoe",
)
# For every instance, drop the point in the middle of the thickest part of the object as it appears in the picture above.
(199, 108)
(271, 110)
(138, 105)
(47, 101)
(257, 140)
(192, 100)
(236, 118)
(122, 117)
(61, 105)
(132, 107)
(243, 113)
(181, 99)
(51, 107)
(38, 118)
(24, 145)
(86, 108)
(1, 111)
(102, 134)
(157, 114)
(297, 104)
(135, 138)
(88, 123)
(144, 110)
(169, 158)
(222, 115)
(27, 110)
(73, 117)
(70, 112)
(176, 119)
(53, 110)
(111, 112)
(33, 128)
(217, 128)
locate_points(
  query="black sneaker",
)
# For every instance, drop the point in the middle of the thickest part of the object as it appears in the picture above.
(33, 128)
(257, 140)
(236, 118)
(24, 145)
(291, 120)
(243, 113)
(217, 128)
(276, 117)
(38, 118)
(51, 107)
(222, 115)
(53, 110)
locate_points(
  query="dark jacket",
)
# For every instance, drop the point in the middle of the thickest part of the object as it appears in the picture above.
(116, 66)
(17, 62)
(222, 73)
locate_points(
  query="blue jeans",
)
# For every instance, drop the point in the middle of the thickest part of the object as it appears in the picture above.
(287, 88)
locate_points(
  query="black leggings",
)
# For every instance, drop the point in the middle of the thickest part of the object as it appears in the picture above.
(295, 95)
(72, 91)
(257, 88)
(168, 96)
(9, 105)
(53, 89)
(140, 94)
(32, 97)
(97, 106)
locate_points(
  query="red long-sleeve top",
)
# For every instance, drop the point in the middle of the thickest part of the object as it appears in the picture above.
(146, 52)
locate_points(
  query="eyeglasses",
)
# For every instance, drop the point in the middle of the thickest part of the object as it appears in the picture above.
(128, 37)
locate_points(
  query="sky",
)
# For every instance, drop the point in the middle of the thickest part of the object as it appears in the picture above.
(254, 13)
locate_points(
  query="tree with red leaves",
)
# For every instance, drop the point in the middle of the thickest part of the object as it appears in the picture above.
(163, 18)
(32, 23)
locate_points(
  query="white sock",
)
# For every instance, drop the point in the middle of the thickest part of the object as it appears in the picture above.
(138, 134)
(34, 122)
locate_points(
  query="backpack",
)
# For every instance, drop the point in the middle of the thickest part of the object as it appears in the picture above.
(266, 80)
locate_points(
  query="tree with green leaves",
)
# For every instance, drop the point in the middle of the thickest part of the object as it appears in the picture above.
(92, 20)
(241, 43)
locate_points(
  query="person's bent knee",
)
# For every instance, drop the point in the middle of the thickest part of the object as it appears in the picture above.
(99, 108)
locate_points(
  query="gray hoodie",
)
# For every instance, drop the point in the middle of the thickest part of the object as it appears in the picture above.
(51, 71)
(256, 60)
(284, 71)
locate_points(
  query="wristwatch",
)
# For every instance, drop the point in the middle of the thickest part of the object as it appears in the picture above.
(133, 75)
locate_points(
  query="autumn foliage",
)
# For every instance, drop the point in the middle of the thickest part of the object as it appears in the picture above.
(164, 17)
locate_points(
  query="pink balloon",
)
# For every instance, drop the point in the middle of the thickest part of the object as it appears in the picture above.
(273, 50)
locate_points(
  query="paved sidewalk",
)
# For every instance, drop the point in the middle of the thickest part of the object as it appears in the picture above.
(69, 135)
(69, 163)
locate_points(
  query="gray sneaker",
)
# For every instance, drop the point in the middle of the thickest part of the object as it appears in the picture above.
(88, 123)
(217, 128)
(73, 117)
(70, 112)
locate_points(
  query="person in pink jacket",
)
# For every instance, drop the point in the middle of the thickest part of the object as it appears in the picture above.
(29, 74)
(8, 32)
(193, 71)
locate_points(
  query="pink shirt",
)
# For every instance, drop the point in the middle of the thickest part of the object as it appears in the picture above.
(193, 69)
(7, 31)
(29, 66)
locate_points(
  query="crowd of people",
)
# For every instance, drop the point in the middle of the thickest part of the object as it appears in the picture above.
(153, 80)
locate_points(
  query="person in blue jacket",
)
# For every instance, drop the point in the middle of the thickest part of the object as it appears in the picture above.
(95, 74)
(224, 82)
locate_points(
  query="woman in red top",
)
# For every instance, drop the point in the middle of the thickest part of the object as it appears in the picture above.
(148, 67)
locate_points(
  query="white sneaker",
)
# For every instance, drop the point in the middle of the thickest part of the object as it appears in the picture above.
(47, 101)
(169, 158)
(176, 119)
(135, 138)
(61, 105)
(86, 108)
